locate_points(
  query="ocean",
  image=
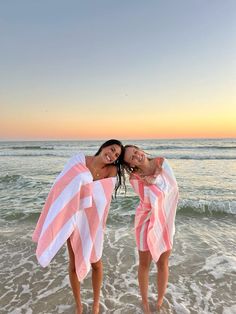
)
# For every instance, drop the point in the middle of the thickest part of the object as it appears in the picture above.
(203, 260)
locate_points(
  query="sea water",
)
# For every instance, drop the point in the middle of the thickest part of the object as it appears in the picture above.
(203, 261)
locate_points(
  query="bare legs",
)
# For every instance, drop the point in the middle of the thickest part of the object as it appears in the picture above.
(97, 273)
(162, 277)
(75, 284)
(145, 259)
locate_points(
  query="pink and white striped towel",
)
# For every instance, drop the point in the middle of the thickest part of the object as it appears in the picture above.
(155, 214)
(76, 208)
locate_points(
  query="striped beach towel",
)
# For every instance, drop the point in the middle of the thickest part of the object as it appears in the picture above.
(155, 214)
(76, 208)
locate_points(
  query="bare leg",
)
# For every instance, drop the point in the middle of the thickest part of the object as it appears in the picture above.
(162, 277)
(97, 274)
(75, 284)
(145, 259)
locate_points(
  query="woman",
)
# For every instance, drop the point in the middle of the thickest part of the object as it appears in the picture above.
(76, 211)
(153, 180)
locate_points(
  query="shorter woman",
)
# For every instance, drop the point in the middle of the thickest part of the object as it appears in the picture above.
(153, 180)
(76, 211)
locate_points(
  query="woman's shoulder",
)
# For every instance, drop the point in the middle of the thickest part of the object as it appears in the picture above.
(88, 159)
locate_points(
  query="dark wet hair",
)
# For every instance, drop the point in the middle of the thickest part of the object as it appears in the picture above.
(118, 163)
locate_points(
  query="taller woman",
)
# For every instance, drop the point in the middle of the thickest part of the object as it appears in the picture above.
(154, 181)
(76, 211)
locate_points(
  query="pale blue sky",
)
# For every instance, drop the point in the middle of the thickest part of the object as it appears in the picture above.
(111, 56)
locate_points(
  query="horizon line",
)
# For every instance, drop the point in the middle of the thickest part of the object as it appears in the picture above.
(122, 139)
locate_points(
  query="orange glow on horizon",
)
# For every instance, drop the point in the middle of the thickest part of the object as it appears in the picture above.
(124, 133)
(141, 126)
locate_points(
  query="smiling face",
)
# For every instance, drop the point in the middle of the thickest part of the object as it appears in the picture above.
(110, 153)
(134, 156)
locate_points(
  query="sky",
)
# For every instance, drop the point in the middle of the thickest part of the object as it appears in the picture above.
(117, 69)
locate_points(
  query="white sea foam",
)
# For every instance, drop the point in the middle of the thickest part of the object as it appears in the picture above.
(230, 310)
(218, 265)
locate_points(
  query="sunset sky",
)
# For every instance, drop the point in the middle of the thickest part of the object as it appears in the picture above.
(117, 69)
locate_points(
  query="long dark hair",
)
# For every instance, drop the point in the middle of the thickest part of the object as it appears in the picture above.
(118, 163)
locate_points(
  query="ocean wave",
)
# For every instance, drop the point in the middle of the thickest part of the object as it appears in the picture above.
(56, 154)
(10, 178)
(203, 207)
(33, 147)
(167, 147)
(20, 216)
(122, 210)
(68, 154)
(203, 157)
(16, 181)
(207, 207)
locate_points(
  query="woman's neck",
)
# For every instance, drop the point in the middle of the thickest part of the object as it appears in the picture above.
(148, 168)
(97, 167)
(97, 162)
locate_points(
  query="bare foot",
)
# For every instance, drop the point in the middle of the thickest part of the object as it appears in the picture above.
(79, 309)
(159, 304)
(146, 308)
(95, 309)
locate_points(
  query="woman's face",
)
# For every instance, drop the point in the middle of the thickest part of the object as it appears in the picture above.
(135, 157)
(110, 153)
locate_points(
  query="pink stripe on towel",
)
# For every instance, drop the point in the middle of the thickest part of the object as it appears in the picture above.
(155, 215)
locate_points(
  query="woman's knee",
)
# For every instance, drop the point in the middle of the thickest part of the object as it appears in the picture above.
(97, 266)
(144, 259)
(163, 260)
